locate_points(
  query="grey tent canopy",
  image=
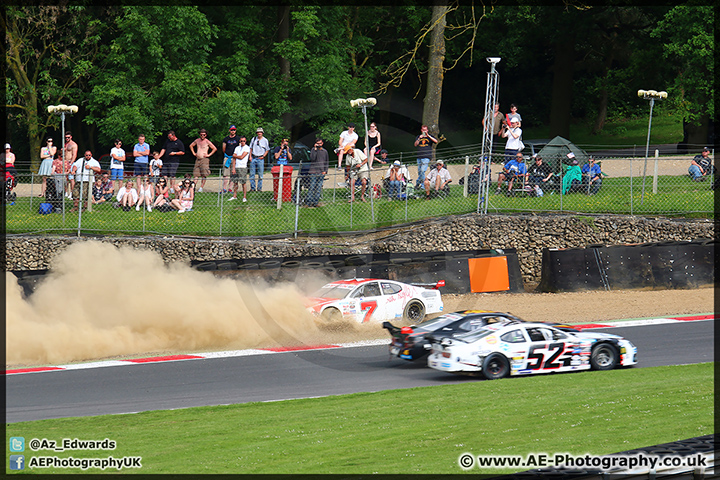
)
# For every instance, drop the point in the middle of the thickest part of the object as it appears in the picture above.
(556, 151)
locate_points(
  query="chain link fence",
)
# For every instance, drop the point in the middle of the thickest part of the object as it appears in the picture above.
(662, 186)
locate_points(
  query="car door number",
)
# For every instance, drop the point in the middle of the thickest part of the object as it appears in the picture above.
(371, 306)
(549, 353)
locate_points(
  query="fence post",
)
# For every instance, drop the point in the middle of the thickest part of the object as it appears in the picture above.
(631, 185)
(280, 188)
(655, 173)
(465, 183)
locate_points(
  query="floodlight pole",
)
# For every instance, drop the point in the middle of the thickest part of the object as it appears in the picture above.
(648, 95)
(363, 103)
(62, 110)
(487, 141)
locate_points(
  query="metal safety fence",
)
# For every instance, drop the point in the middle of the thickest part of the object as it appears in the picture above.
(295, 202)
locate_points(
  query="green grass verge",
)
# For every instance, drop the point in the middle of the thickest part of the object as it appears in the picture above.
(417, 430)
(676, 196)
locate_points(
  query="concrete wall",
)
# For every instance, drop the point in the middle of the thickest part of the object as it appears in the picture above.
(528, 234)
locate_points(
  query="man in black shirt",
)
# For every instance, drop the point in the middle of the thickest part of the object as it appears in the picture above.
(174, 149)
(539, 173)
(701, 166)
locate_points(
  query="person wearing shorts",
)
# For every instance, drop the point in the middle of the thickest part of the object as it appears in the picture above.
(174, 149)
(202, 149)
(239, 168)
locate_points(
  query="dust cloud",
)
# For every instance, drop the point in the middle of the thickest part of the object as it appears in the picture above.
(100, 302)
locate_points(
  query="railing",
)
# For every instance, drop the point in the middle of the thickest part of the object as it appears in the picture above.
(668, 190)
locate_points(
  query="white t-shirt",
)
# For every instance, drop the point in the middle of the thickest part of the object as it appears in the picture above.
(85, 175)
(512, 142)
(357, 158)
(346, 137)
(118, 152)
(241, 162)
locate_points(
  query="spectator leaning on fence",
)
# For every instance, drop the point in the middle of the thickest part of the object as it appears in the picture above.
(701, 166)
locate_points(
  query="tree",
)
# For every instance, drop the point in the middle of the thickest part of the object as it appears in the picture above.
(50, 52)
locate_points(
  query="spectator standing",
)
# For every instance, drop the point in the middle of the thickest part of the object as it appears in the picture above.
(701, 166)
(361, 169)
(259, 148)
(127, 195)
(592, 173)
(424, 143)
(319, 165)
(497, 120)
(374, 144)
(202, 149)
(156, 165)
(438, 178)
(514, 114)
(84, 170)
(229, 145)
(174, 148)
(348, 139)
(141, 152)
(70, 156)
(57, 173)
(239, 169)
(513, 133)
(282, 153)
(47, 154)
(117, 163)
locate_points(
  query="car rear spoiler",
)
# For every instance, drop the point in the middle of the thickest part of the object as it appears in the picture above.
(434, 286)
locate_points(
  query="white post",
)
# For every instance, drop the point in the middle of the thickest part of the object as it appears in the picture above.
(465, 183)
(655, 173)
(280, 188)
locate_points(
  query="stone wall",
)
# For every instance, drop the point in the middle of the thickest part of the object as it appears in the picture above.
(528, 234)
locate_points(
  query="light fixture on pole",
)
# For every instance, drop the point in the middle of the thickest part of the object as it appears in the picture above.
(61, 110)
(485, 160)
(651, 95)
(364, 103)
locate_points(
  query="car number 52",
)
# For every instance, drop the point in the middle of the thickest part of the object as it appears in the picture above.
(549, 353)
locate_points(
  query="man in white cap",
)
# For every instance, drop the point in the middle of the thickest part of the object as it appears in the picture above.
(259, 148)
(438, 178)
(396, 177)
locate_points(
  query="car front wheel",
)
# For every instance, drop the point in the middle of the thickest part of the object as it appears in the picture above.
(414, 312)
(603, 357)
(495, 366)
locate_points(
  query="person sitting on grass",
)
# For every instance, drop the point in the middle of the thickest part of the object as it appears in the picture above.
(97, 192)
(515, 167)
(146, 194)
(395, 178)
(183, 200)
(127, 196)
(437, 179)
(701, 166)
(593, 174)
(162, 195)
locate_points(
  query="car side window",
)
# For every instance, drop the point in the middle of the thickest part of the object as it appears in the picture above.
(535, 335)
(513, 336)
(372, 290)
(390, 288)
(558, 335)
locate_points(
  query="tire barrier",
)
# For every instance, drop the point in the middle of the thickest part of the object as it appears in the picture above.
(463, 271)
(666, 265)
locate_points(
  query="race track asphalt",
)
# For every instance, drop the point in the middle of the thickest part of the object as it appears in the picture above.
(192, 383)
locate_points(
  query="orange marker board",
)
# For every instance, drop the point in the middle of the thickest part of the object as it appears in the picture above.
(489, 274)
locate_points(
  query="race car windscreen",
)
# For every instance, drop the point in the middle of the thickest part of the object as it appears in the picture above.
(475, 335)
(439, 322)
(332, 291)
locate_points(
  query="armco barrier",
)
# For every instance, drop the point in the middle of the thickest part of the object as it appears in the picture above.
(464, 271)
(664, 265)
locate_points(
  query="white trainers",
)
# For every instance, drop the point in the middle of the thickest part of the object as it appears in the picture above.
(231, 199)
(137, 208)
(182, 210)
(200, 189)
(244, 200)
(149, 208)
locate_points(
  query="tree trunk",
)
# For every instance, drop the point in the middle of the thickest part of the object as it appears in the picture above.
(436, 71)
(284, 64)
(561, 106)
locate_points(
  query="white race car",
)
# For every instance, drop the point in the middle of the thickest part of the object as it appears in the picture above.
(375, 300)
(498, 350)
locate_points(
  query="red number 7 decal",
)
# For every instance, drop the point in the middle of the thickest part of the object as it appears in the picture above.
(371, 306)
